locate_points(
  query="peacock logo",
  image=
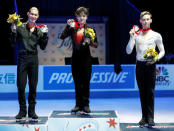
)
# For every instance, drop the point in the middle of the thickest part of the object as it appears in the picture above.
(162, 71)
(162, 77)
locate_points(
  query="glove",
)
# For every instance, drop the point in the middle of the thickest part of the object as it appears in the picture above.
(117, 68)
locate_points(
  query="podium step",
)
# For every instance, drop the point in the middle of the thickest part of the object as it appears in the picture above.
(65, 121)
(94, 121)
(10, 124)
(157, 127)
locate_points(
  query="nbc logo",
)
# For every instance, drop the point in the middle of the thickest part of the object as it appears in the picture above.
(162, 71)
(162, 77)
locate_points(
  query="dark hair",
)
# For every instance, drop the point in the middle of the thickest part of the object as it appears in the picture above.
(82, 9)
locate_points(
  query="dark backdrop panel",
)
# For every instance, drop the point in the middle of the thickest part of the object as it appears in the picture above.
(6, 51)
(122, 15)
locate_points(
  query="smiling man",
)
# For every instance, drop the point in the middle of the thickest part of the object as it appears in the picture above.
(28, 36)
(146, 39)
(81, 57)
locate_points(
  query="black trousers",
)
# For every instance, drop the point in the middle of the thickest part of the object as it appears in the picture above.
(27, 66)
(146, 77)
(81, 71)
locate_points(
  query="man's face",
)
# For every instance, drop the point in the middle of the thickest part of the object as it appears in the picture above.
(146, 21)
(33, 15)
(82, 17)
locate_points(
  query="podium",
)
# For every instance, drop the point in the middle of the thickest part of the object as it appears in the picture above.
(157, 127)
(94, 121)
(10, 124)
(65, 121)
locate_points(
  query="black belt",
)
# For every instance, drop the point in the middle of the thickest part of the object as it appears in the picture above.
(144, 63)
(25, 52)
(141, 62)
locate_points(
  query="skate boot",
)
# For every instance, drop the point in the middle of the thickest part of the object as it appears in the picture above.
(31, 114)
(21, 116)
(75, 110)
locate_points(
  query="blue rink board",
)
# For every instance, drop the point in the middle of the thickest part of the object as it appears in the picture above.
(71, 95)
(56, 82)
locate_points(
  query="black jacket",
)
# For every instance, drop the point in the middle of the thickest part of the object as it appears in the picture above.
(68, 31)
(28, 41)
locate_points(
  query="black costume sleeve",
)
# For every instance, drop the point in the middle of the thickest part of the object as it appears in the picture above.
(43, 41)
(66, 32)
(13, 37)
(95, 42)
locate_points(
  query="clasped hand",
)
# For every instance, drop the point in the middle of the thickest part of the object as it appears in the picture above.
(87, 40)
(151, 61)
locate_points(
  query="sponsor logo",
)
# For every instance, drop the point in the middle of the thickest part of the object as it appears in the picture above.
(109, 77)
(162, 76)
(7, 78)
(102, 77)
(61, 78)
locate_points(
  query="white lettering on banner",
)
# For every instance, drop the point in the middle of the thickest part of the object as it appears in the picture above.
(94, 76)
(110, 78)
(162, 78)
(61, 78)
(69, 78)
(116, 77)
(7, 78)
(107, 77)
(123, 76)
(97, 77)
(54, 76)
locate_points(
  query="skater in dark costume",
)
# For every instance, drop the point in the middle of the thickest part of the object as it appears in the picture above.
(81, 57)
(28, 36)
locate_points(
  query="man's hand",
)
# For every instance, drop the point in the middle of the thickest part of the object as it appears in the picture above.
(117, 68)
(70, 22)
(13, 27)
(151, 61)
(87, 40)
(132, 33)
(44, 29)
